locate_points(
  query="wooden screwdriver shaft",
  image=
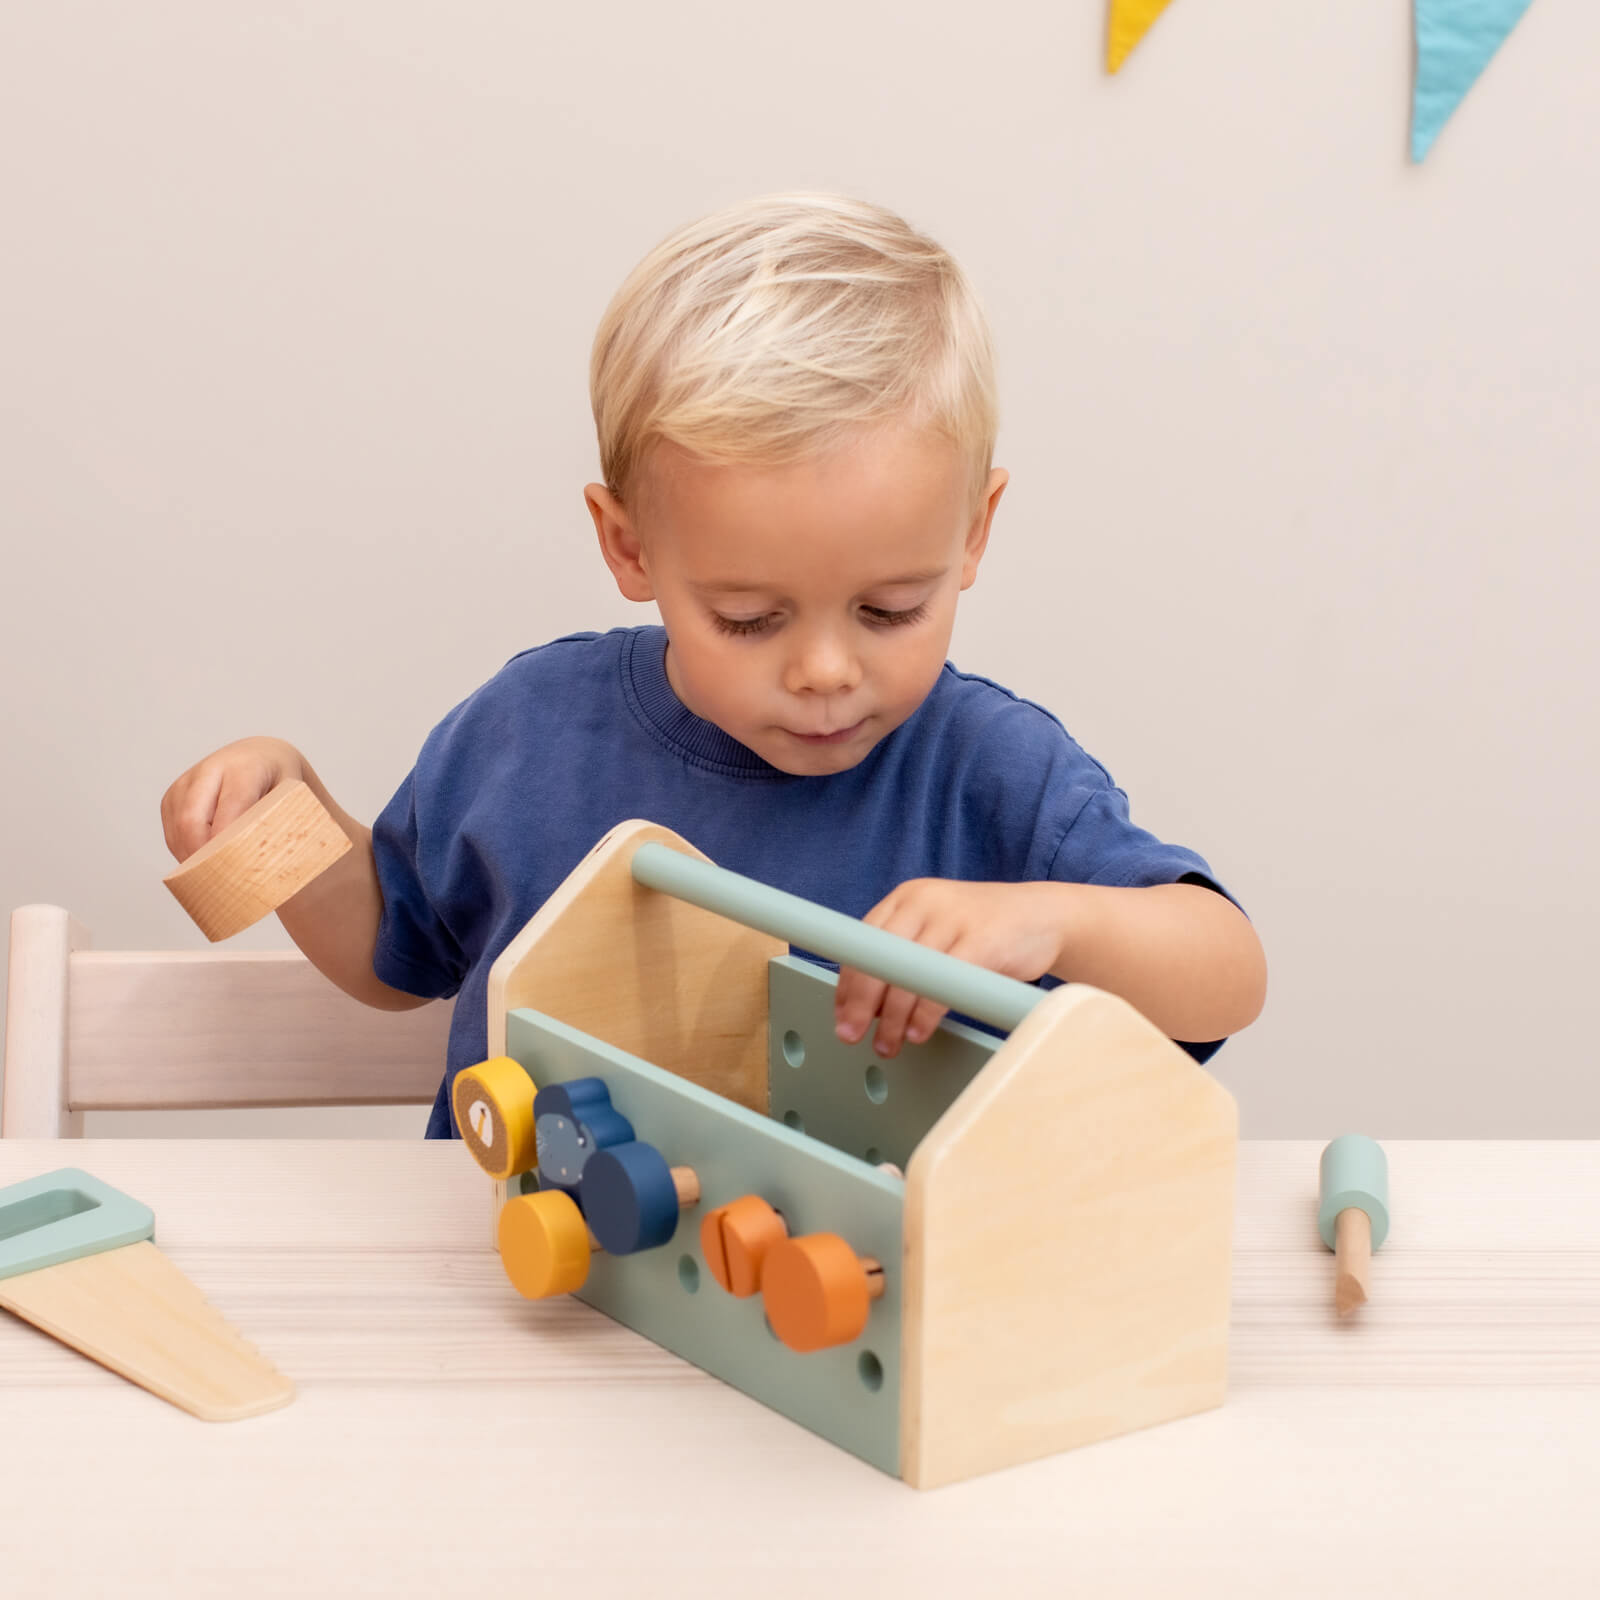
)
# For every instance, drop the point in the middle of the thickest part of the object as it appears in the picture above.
(1352, 1256)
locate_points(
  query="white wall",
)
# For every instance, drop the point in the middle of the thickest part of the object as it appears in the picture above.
(293, 428)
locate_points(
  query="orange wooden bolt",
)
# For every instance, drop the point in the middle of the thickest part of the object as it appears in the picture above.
(818, 1291)
(735, 1239)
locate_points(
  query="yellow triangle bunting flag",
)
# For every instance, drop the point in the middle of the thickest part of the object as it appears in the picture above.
(1130, 22)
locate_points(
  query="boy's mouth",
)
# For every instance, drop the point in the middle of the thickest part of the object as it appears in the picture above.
(838, 736)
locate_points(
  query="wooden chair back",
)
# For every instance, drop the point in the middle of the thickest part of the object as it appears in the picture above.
(103, 1030)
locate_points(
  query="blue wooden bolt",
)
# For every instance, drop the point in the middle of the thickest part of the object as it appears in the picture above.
(572, 1121)
(631, 1197)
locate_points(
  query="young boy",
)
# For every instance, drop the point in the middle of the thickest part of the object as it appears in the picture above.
(796, 414)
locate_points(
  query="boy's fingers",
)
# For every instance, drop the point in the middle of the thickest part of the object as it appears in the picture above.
(855, 1003)
(169, 823)
(892, 1016)
(238, 792)
(860, 997)
(924, 1019)
(190, 826)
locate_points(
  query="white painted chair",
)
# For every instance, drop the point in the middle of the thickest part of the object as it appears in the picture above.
(109, 1030)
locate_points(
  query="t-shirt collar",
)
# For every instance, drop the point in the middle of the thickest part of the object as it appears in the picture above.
(644, 667)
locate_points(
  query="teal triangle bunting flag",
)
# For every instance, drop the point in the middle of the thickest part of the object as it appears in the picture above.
(1456, 39)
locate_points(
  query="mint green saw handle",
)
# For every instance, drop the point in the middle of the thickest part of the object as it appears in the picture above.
(1002, 1002)
(63, 1215)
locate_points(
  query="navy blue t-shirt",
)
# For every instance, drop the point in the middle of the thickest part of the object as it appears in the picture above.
(519, 781)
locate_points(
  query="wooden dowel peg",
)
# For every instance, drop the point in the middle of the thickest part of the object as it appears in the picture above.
(1352, 1251)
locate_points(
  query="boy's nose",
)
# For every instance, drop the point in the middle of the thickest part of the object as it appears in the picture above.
(822, 665)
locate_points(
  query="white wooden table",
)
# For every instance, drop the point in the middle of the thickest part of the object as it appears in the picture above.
(450, 1438)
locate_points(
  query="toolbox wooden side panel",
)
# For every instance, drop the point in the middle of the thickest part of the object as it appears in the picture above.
(653, 975)
(1068, 1245)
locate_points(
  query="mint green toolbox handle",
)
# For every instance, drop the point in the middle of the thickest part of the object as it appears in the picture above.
(975, 991)
(63, 1215)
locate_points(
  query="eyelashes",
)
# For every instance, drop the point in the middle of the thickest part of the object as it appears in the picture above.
(875, 616)
(738, 628)
(895, 619)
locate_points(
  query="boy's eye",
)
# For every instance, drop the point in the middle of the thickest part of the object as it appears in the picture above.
(882, 618)
(877, 616)
(741, 624)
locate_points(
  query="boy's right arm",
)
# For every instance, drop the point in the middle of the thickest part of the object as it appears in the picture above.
(334, 919)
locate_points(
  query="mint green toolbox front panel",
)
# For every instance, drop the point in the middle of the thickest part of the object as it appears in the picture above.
(850, 1394)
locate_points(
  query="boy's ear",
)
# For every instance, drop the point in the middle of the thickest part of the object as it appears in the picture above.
(978, 533)
(619, 543)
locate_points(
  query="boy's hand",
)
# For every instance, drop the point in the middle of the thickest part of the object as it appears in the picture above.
(1011, 928)
(224, 786)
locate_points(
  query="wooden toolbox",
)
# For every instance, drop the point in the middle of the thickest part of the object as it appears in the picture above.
(679, 1137)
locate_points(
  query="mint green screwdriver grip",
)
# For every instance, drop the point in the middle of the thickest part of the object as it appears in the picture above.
(1000, 1001)
(1353, 1172)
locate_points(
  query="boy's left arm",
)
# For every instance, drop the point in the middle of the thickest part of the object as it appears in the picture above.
(1183, 955)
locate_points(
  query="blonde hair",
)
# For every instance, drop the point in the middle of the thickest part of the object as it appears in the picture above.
(766, 332)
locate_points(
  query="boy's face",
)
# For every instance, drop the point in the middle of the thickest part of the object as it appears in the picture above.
(808, 607)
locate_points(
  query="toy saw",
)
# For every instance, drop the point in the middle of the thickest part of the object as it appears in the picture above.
(79, 1261)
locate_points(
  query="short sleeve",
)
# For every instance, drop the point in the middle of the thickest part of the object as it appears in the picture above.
(415, 951)
(1103, 845)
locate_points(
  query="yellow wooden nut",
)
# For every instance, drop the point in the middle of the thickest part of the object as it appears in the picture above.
(493, 1103)
(544, 1244)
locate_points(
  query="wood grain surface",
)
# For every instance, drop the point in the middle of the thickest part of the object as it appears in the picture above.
(449, 1438)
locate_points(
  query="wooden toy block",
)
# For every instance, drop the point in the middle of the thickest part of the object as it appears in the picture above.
(258, 861)
(1353, 1213)
(1054, 1267)
(77, 1259)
